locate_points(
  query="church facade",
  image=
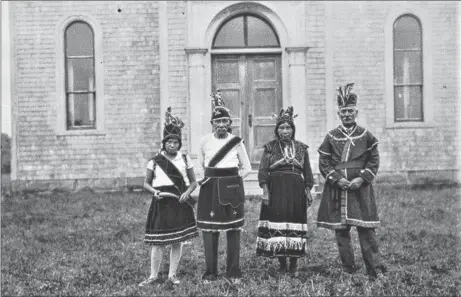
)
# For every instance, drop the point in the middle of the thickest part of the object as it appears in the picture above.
(91, 81)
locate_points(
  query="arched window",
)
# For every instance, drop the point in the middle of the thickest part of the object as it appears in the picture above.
(246, 31)
(80, 76)
(408, 69)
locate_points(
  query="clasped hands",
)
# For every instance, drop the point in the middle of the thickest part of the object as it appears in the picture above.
(350, 185)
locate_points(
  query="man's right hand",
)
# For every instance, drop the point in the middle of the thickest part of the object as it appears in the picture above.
(343, 183)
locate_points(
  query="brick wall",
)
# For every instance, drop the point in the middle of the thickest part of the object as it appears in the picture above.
(131, 82)
(316, 122)
(359, 57)
(177, 64)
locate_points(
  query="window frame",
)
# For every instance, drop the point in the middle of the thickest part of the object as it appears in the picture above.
(61, 78)
(426, 68)
(421, 61)
(245, 33)
(67, 58)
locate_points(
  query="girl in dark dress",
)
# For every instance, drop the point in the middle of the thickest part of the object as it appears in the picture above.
(171, 221)
(286, 178)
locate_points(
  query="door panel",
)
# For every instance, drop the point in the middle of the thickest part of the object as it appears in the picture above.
(227, 71)
(252, 90)
(265, 98)
(230, 79)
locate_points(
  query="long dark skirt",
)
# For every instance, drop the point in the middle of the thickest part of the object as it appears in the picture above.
(169, 221)
(282, 227)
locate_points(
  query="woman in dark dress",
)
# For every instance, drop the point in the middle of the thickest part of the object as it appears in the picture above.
(285, 176)
(170, 221)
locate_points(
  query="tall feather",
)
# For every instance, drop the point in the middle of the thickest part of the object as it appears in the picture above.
(168, 116)
(348, 89)
(341, 95)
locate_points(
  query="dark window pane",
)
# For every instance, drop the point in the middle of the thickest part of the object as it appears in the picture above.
(407, 67)
(260, 33)
(407, 33)
(80, 74)
(81, 110)
(79, 39)
(231, 34)
(408, 103)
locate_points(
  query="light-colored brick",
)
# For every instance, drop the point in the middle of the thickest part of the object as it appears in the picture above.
(132, 85)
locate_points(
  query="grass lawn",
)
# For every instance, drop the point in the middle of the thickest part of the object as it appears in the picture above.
(91, 244)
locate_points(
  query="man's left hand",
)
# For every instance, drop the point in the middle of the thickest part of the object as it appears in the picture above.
(355, 183)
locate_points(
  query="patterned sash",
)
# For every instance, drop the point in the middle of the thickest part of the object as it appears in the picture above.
(173, 174)
(224, 151)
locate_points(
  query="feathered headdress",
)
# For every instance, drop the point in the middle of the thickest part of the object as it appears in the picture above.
(220, 111)
(345, 97)
(173, 125)
(171, 120)
(285, 115)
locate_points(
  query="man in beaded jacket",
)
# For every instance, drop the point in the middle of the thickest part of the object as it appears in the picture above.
(349, 162)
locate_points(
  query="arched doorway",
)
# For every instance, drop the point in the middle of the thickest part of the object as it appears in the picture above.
(246, 68)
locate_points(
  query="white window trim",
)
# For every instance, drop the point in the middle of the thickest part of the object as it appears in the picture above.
(428, 100)
(61, 127)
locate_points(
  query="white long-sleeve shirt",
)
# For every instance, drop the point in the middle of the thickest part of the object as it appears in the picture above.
(237, 157)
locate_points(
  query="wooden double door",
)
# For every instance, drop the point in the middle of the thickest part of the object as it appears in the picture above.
(251, 87)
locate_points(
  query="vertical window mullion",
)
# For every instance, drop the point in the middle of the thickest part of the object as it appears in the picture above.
(91, 104)
(71, 106)
(406, 82)
(245, 30)
(70, 90)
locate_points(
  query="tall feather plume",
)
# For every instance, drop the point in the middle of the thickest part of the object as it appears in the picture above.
(348, 89)
(168, 116)
(217, 100)
(170, 119)
(341, 95)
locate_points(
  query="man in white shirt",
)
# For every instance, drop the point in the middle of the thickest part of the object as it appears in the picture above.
(221, 199)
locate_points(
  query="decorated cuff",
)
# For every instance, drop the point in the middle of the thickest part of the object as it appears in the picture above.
(333, 177)
(367, 175)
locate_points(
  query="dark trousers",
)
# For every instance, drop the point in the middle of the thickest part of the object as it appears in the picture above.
(211, 241)
(368, 245)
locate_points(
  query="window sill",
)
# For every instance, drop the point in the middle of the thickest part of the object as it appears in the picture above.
(410, 126)
(81, 133)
